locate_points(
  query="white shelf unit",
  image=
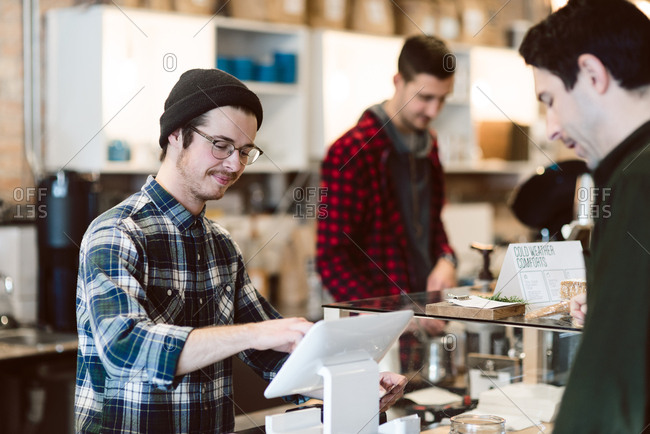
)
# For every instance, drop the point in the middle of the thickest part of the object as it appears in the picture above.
(492, 166)
(283, 135)
(492, 85)
(110, 69)
(352, 71)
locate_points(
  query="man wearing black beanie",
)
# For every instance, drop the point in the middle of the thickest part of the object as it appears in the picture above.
(163, 297)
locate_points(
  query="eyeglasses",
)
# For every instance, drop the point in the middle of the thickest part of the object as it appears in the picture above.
(221, 150)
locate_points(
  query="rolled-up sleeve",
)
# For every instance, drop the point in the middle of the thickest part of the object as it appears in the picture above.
(130, 345)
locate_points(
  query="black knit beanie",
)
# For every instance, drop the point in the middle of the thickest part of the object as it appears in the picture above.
(201, 90)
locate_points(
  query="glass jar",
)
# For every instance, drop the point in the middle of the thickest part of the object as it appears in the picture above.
(474, 423)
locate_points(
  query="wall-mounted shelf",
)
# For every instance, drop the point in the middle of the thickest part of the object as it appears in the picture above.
(272, 88)
(109, 71)
(491, 166)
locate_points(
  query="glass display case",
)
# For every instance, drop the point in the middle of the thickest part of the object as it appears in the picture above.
(469, 357)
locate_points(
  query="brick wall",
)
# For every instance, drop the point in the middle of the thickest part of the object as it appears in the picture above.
(14, 171)
(16, 176)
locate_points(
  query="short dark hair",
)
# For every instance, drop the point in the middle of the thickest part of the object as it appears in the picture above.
(186, 133)
(615, 31)
(425, 54)
(200, 120)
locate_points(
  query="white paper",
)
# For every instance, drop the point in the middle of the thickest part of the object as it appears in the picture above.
(433, 396)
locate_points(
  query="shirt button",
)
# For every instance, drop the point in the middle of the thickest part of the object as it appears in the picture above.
(198, 256)
(169, 292)
(228, 288)
(200, 301)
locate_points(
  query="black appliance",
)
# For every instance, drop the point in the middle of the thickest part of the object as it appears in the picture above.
(546, 200)
(71, 203)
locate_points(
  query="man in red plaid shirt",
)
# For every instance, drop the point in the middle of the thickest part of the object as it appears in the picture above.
(380, 232)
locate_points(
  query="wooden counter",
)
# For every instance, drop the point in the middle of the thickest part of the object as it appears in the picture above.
(37, 379)
(31, 342)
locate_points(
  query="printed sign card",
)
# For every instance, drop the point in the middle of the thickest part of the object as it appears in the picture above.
(533, 271)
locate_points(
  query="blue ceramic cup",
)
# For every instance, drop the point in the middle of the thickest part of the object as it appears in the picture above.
(266, 72)
(243, 68)
(285, 64)
(225, 64)
(119, 150)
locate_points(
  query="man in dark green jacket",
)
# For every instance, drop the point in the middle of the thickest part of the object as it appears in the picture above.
(591, 63)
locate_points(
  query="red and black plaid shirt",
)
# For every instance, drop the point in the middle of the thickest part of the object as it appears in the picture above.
(362, 246)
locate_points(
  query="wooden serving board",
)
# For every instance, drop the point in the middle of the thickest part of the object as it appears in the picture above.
(445, 308)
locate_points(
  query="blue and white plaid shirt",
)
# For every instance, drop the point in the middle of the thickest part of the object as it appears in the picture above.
(149, 273)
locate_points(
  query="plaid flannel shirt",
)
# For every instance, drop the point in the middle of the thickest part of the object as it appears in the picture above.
(149, 273)
(361, 244)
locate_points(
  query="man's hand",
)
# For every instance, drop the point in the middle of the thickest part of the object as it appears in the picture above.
(393, 386)
(442, 276)
(279, 334)
(208, 345)
(578, 308)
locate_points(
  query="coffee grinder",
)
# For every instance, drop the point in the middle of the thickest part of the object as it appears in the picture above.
(70, 201)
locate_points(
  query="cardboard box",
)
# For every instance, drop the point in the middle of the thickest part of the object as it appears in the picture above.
(279, 11)
(448, 23)
(248, 9)
(538, 10)
(161, 5)
(287, 11)
(204, 7)
(300, 249)
(477, 28)
(415, 17)
(487, 22)
(373, 16)
(331, 14)
(503, 140)
(125, 3)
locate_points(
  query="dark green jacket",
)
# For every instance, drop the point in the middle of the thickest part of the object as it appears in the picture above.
(609, 384)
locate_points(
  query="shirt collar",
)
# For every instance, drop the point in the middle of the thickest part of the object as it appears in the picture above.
(635, 142)
(418, 144)
(169, 206)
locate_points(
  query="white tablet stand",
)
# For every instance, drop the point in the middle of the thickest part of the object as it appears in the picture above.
(338, 359)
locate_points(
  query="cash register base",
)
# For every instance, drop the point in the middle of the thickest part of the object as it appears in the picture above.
(350, 405)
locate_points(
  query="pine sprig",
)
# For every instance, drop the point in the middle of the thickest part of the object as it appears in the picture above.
(511, 299)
